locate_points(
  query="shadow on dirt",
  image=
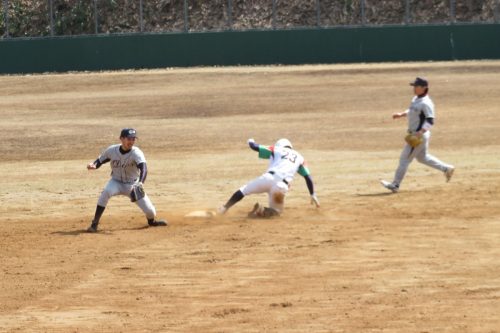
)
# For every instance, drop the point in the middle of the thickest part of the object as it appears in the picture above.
(100, 232)
(136, 228)
(70, 233)
(382, 194)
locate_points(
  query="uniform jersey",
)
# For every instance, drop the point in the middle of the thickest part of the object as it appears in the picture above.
(420, 109)
(123, 166)
(284, 162)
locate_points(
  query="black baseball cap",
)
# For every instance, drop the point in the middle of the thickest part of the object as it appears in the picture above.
(419, 81)
(128, 133)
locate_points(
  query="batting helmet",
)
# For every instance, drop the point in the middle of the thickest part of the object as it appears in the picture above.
(282, 143)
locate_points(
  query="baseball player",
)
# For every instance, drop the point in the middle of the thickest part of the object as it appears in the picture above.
(128, 173)
(284, 162)
(420, 120)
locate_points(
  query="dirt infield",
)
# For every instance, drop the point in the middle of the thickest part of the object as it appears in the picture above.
(424, 260)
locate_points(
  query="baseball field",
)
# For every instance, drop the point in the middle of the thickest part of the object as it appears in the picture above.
(424, 260)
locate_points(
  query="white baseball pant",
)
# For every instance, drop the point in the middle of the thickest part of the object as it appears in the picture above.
(275, 188)
(114, 187)
(421, 154)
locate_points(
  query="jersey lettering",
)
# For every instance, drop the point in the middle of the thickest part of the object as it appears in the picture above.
(289, 156)
(123, 166)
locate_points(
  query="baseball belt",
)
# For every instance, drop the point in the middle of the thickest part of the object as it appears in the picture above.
(273, 173)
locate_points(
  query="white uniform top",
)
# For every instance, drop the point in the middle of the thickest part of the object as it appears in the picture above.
(284, 162)
(123, 166)
(420, 108)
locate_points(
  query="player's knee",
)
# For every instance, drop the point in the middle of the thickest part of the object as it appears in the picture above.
(403, 160)
(278, 197)
(422, 158)
(104, 198)
(270, 212)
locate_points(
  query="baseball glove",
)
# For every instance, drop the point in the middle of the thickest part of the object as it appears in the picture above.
(413, 140)
(137, 192)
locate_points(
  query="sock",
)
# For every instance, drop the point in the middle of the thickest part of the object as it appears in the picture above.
(237, 196)
(98, 213)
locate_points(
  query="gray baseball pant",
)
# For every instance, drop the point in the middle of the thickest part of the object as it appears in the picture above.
(114, 187)
(421, 154)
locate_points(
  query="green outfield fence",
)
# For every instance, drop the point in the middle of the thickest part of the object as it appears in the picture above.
(298, 46)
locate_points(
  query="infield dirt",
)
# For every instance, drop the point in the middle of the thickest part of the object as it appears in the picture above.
(423, 260)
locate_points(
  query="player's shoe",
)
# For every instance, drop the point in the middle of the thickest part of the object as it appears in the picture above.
(92, 228)
(157, 223)
(222, 210)
(256, 211)
(390, 186)
(449, 173)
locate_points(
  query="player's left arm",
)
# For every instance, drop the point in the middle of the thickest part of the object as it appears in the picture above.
(143, 172)
(304, 172)
(140, 161)
(429, 120)
(138, 192)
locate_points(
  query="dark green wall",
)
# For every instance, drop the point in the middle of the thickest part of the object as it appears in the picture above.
(333, 45)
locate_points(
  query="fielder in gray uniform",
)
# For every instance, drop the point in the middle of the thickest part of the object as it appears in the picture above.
(128, 173)
(420, 120)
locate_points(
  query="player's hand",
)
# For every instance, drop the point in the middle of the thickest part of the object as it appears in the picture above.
(397, 115)
(314, 200)
(91, 166)
(251, 140)
(137, 192)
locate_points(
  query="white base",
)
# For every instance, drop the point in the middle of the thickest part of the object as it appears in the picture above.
(206, 214)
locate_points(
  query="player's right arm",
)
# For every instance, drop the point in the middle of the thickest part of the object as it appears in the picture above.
(102, 159)
(400, 114)
(264, 151)
(96, 164)
(253, 145)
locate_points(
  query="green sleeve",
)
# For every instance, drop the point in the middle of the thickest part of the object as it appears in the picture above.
(265, 152)
(303, 171)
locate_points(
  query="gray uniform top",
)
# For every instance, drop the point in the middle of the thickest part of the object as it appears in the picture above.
(420, 109)
(123, 166)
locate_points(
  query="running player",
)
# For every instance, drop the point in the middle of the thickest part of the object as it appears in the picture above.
(420, 120)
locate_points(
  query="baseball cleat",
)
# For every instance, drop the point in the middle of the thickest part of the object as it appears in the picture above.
(222, 210)
(390, 186)
(159, 223)
(255, 211)
(92, 228)
(449, 173)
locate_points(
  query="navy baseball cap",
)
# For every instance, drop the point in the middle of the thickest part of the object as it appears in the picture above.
(419, 81)
(128, 133)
